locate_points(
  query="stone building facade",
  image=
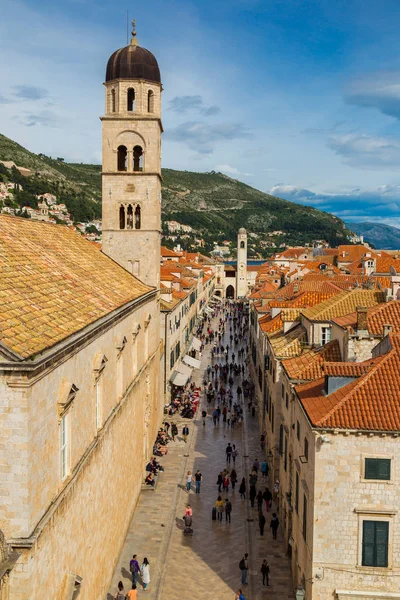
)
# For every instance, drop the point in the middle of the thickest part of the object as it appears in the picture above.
(80, 351)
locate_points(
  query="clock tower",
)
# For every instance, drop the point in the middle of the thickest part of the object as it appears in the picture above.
(241, 266)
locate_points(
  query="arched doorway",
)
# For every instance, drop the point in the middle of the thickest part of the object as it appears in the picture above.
(218, 293)
(230, 291)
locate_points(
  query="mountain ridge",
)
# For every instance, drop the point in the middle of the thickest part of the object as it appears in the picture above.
(213, 204)
(385, 237)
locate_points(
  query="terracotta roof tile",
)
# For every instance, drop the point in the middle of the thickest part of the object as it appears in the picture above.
(387, 313)
(289, 344)
(369, 403)
(343, 304)
(309, 365)
(53, 283)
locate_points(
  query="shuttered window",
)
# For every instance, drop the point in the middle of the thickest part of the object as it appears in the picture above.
(305, 517)
(296, 497)
(377, 468)
(375, 543)
(281, 440)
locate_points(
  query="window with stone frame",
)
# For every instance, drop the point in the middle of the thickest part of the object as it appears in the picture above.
(65, 445)
(378, 469)
(325, 335)
(305, 517)
(375, 543)
(296, 493)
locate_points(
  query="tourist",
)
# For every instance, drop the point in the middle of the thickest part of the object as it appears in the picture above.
(174, 431)
(228, 510)
(267, 498)
(204, 416)
(233, 478)
(185, 432)
(189, 511)
(242, 489)
(265, 572)
(189, 481)
(256, 465)
(225, 483)
(252, 495)
(234, 453)
(198, 479)
(134, 569)
(145, 572)
(132, 594)
(239, 595)
(244, 567)
(228, 452)
(219, 505)
(150, 480)
(274, 525)
(220, 480)
(120, 595)
(259, 500)
(264, 468)
(261, 521)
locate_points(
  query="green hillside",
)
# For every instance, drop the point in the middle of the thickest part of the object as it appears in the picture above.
(212, 203)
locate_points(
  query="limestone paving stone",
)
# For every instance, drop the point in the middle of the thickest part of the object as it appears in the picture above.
(206, 564)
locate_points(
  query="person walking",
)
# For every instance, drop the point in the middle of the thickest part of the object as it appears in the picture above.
(188, 511)
(259, 500)
(274, 525)
(189, 481)
(234, 454)
(244, 567)
(225, 483)
(242, 489)
(220, 480)
(239, 595)
(120, 595)
(264, 468)
(185, 432)
(252, 495)
(219, 505)
(204, 416)
(134, 569)
(233, 479)
(265, 572)
(132, 594)
(228, 451)
(268, 498)
(174, 431)
(228, 510)
(198, 479)
(261, 522)
(145, 573)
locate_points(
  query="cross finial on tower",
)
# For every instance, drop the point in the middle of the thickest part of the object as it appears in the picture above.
(134, 41)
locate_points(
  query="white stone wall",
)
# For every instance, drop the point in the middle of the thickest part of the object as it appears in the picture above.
(106, 465)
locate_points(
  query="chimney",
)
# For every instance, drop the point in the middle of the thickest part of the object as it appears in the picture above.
(362, 324)
(296, 288)
(387, 329)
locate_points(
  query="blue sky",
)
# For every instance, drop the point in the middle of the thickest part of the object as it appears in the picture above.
(297, 97)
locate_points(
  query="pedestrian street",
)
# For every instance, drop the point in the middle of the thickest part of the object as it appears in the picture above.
(205, 564)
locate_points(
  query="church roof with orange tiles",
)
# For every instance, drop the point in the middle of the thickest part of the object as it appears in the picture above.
(387, 313)
(53, 283)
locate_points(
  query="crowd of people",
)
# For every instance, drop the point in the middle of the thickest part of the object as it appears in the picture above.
(227, 393)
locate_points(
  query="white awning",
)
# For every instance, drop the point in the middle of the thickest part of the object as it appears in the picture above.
(217, 298)
(178, 379)
(196, 344)
(182, 375)
(208, 310)
(193, 362)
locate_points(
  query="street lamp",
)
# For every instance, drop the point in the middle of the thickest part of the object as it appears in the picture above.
(300, 593)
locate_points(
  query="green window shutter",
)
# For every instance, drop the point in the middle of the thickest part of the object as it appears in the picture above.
(377, 468)
(375, 543)
(368, 544)
(382, 538)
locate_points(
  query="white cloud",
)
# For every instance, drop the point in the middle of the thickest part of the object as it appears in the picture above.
(379, 90)
(367, 151)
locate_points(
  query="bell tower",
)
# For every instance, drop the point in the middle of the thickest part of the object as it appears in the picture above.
(241, 265)
(131, 164)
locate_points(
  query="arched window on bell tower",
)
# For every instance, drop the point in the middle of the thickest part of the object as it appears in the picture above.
(129, 217)
(242, 244)
(122, 217)
(113, 107)
(150, 101)
(138, 158)
(122, 158)
(130, 100)
(138, 217)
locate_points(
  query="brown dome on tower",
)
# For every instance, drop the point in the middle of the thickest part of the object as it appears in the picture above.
(133, 62)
